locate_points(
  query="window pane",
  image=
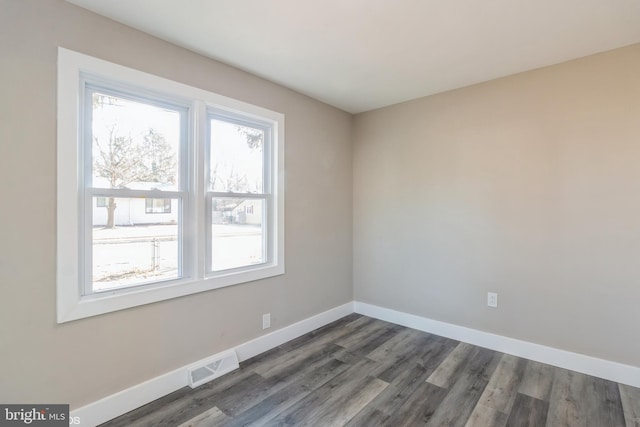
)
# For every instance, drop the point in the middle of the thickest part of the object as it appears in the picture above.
(133, 247)
(134, 145)
(236, 158)
(237, 233)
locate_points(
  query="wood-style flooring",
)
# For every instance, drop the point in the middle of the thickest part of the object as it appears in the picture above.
(360, 371)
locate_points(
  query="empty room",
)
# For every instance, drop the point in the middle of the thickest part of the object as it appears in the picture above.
(320, 213)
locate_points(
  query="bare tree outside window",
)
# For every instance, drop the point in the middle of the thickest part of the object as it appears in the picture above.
(229, 174)
(122, 158)
(135, 150)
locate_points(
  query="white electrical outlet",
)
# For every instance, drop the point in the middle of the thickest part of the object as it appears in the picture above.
(492, 299)
(266, 321)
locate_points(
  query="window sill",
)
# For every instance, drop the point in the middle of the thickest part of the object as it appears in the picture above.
(79, 307)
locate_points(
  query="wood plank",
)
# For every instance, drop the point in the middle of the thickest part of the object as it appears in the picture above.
(287, 397)
(325, 334)
(362, 334)
(336, 402)
(405, 375)
(497, 399)
(578, 399)
(403, 343)
(605, 403)
(235, 403)
(566, 408)
(483, 416)
(406, 354)
(329, 333)
(630, 397)
(448, 369)
(131, 418)
(290, 360)
(368, 417)
(432, 355)
(419, 408)
(359, 350)
(537, 380)
(468, 385)
(372, 341)
(501, 391)
(192, 404)
(204, 398)
(400, 389)
(314, 342)
(350, 405)
(211, 418)
(528, 411)
(387, 375)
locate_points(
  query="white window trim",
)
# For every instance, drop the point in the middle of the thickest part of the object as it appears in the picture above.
(89, 84)
(265, 195)
(71, 304)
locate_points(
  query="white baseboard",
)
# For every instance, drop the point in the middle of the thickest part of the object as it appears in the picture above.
(266, 342)
(126, 400)
(601, 368)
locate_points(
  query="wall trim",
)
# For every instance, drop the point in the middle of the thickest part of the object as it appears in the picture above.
(266, 342)
(138, 395)
(613, 371)
(126, 400)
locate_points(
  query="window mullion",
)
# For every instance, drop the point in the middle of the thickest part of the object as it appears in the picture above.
(200, 215)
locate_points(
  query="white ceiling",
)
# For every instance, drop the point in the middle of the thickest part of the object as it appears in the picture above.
(360, 55)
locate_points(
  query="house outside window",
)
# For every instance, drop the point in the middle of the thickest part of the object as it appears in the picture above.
(155, 206)
(147, 226)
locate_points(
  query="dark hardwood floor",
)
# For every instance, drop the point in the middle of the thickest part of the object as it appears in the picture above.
(360, 371)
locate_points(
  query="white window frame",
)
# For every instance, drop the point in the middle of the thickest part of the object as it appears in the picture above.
(92, 83)
(265, 195)
(72, 300)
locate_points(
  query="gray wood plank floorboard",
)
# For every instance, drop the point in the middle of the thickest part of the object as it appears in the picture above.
(211, 418)
(276, 403)
(466, 389)
(455, 361)
(537, 380)
(360, 371)
(581, 400)
(420, 407)
(500, 393)
(528, 411)
(630, 397)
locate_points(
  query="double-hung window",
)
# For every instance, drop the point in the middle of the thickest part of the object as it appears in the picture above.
(164, 189)
(134, 149)
(238, 182)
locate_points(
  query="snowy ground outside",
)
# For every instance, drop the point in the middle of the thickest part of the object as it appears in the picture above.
(126, 256)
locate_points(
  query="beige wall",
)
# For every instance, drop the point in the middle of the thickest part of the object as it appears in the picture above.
(527, 185)
(82, 361)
